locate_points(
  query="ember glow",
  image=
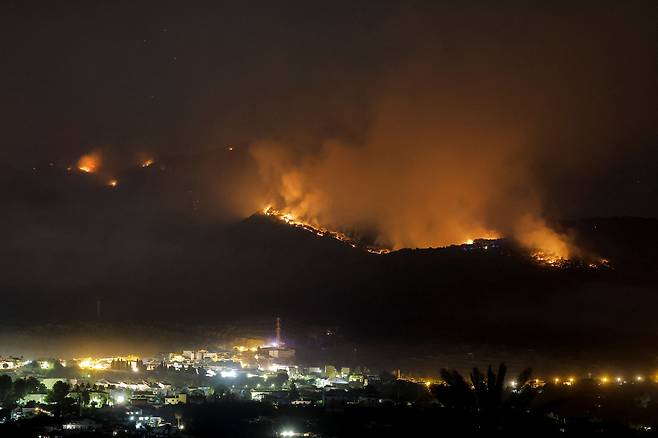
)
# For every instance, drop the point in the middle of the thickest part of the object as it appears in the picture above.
(147, 162)
(547, 246)
(319, 230)
(89, 163)
(549, 259)
(559, 253)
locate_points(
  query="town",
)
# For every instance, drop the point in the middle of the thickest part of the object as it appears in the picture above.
(264, 388)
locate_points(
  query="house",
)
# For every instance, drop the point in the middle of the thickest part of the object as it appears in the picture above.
(175, 399)
(82, 425)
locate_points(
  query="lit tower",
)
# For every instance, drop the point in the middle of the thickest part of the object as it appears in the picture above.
(278, 331)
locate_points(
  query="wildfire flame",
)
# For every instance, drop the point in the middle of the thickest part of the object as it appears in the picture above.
(147, 163)
(547, 247)
(318, 230)
(89, 163)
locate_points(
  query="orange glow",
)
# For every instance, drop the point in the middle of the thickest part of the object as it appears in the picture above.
(546, 245)
(89, 163)
(147, 162)
(318, 230)
(112, 183)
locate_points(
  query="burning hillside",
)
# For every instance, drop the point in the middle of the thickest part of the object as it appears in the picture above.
(544, 258)
(320, 231)
(89, 163)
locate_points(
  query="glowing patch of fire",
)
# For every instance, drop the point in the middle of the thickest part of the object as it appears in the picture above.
(89, 163)
(549, 259)
(554, 261)
(540, 257)
(290, 219)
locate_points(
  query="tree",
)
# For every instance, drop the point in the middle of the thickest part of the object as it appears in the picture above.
(5, 388)
(20, 389)
(34, 386)
(222, 391)
(84, 397)
(293, 392)
(59, 392)
(485, 401)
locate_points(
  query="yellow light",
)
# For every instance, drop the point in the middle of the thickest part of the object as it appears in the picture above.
(639, 378)
(604, 379)
(469, 242)
(556, 380)
(112, 183)
(93, 364)
(147, 163)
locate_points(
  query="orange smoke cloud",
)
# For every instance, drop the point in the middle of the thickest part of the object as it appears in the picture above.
(435, 169)
(89, 163)
(533, 233)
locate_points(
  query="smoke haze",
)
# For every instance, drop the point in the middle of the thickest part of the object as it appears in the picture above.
(411, 123)
(470, 137)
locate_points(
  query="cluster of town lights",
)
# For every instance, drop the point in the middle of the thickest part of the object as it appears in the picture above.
(601, 380)
(102, 364)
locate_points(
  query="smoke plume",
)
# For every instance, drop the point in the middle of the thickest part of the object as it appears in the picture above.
(476, 127)
(435, 168)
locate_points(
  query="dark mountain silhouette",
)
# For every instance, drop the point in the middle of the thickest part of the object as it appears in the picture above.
(69, 241)
(463, 292)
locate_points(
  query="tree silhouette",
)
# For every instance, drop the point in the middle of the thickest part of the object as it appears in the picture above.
(485, 402)
(5, 388)
(59, 392)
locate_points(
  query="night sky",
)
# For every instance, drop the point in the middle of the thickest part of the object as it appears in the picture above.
(418, 121)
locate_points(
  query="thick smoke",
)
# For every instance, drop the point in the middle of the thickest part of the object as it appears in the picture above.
(435, 169)
(483, 126)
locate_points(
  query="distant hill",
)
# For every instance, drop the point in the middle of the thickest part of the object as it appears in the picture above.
(461, 291)
(148, 254)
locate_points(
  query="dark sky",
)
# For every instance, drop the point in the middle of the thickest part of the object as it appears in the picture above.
(492, 110)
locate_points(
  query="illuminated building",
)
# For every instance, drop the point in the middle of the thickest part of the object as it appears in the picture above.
(330, 371)
(278, 351)
(180, 398)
